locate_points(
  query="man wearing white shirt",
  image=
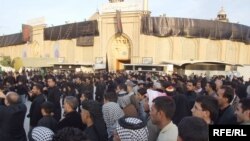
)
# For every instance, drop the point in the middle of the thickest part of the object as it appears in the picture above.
(161, 114)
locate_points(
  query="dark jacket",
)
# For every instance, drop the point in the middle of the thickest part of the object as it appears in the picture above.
(72, 119)
(49, 122)
(54, 96)
(11, 122)
(35, 110)
(227, 116)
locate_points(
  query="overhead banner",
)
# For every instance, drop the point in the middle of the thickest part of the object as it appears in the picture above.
(118, 22)
(70, 31)
(166, 26)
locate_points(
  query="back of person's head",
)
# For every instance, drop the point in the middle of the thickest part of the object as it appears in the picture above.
(111, 97)
(71, 101)
(86, 94)
(48, 107)
(40, 133)
(193, 129)
(142, 91)
(132, 129)
(166, 105)
(94, 109)
(70, 134)
(209, 103)
(12, 98)
(122, 87)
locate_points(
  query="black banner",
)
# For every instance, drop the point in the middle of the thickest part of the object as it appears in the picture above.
(166, 26)
(229, 132)
(10, 40)
(71, 31)
(118, 22)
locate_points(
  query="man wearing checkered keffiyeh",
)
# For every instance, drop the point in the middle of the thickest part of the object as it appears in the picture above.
(131, 129)
(111, 112)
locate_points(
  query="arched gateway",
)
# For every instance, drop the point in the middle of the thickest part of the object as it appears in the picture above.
(119, 51)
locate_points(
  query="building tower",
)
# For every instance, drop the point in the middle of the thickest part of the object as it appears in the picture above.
(222, 16)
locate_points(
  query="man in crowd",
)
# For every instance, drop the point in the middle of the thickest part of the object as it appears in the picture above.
(207, 108)
(12, 118)
(54, 97)
(35, 109)
(243, 111)
(226, 112)
(161, 114)
(192, 129)
(72, 117)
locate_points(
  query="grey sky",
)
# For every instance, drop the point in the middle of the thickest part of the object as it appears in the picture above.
(14, 13)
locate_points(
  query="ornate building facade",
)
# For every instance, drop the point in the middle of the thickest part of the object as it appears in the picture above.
(158, 38)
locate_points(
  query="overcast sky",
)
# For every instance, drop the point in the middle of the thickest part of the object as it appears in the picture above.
(14, 13)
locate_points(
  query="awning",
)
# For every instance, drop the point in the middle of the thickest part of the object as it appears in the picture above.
(189, 62)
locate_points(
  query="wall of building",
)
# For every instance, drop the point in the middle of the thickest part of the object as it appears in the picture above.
(138, 46)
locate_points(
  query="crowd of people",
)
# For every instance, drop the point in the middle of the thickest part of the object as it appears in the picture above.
(121, 106)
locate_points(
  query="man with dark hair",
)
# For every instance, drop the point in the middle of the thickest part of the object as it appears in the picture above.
(35, 109)
(111, 112)
(12, 117)
(72, 118)
(190, 94)
(70, 134)
(48, 120)
(243, 111)
(141, 95)
(211, 89)
(54, 96)
(161, 114)
(192, 129)
(92, 116)
(207, 108)
(100, 89)
(226, 112)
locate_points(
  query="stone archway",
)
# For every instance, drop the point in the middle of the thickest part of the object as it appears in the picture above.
(119, 52)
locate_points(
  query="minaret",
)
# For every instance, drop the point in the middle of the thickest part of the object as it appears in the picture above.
(145, 5)
(222, 16)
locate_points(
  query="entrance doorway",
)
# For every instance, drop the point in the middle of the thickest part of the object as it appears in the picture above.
(119, 52)
(120, 64)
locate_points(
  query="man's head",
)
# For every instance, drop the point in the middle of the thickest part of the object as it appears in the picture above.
(163, 108)
(12, 98)
(110, 97)
(70, 104)
(47, 108)
(131, 128)
(225, 96)
(192, 129)
(90, 111)
(210, 86)
(206, 107)
(51, 82)
(121, 87)
(37, 89)
(243, 110)
(190, 86)
(141, 94)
